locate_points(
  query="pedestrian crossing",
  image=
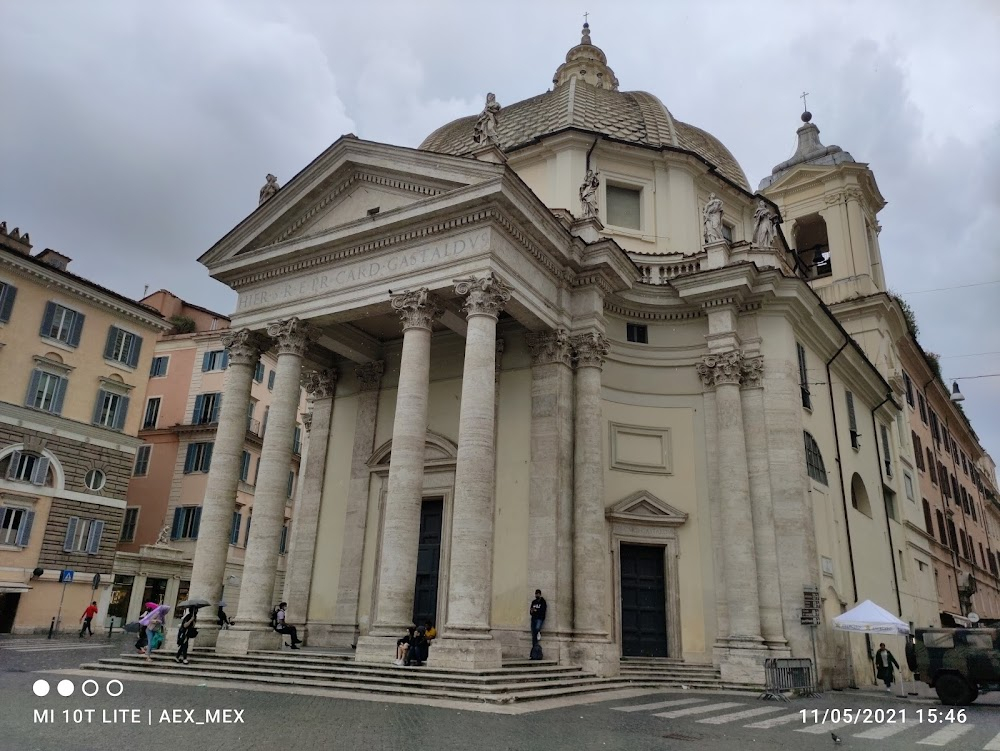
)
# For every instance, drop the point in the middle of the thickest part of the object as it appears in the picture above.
(707, 710)
(51, 645)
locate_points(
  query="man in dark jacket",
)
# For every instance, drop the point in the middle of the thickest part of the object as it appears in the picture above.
(537, 613)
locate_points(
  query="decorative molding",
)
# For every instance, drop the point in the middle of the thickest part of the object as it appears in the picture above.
(484, 296)
(59, 367)
(619, 459)
(370, 375)
(549, 347)
(291, 337)
(753, 372)
(245, 346)
(117, 387)
(725, 368)
(590, 350)
(307, 420)
(320, 384)
(644, 508)
(594, 279)
(418, 309)
(652, 315)
(438, 450)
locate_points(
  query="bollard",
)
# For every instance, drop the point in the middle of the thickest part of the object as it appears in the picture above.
(111, 625)
(52, 627)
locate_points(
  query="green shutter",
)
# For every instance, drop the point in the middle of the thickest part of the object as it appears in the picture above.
(101, 393)
(175, 529)
(94, 538)
(189, 459)
(70, 533)
(122, 413)
(206, 362)
(7, 294)
(196, 523)
(24, 532)
(36, 377)
(133, 351)
(76, 330)
(206, 461)
(47, 318)
(60, 396)
(109, 345)
(199, 403)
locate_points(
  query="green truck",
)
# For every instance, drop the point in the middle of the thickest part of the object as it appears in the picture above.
(960, 663)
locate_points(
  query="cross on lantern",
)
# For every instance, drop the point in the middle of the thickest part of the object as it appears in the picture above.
(803, 98)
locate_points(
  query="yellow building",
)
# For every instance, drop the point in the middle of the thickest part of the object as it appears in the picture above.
(75, 359)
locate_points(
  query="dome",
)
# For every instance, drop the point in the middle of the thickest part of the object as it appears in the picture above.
(586, 97)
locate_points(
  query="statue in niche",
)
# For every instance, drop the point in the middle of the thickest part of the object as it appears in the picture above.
(486, 125)
(588, 194)
(765, 226)
(270, 188)
(712, 219)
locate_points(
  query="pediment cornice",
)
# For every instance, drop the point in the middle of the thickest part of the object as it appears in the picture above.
(645, 508)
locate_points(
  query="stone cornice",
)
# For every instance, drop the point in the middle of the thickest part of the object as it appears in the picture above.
(684, 313)
(44, 422)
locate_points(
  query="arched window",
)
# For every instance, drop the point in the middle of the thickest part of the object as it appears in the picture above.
(814, 459)
(859, 496)
(812, 245)
(27, 466)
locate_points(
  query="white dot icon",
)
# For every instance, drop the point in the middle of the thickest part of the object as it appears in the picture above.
(40, 688)
(65, 688)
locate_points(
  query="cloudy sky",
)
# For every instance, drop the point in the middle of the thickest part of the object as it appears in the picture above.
(135, 135)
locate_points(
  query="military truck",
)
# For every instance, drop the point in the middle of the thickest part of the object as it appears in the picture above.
(960, 663)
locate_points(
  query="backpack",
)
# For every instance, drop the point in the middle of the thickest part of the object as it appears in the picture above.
(536, 652)
(274, 618)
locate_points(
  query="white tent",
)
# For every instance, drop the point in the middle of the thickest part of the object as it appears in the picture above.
(869, 618)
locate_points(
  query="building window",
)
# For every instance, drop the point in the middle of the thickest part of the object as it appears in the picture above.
(941, 529)
(965, 543)
(129, 524)
(141, 468)
(887, 452)
(263, 423)
(15, 525)
(46, 392)
(965, 465)
(217, 359)
(110, 410)
(952, 537)
(258, 373)
(152, 413)
(928, 519)
(95, 480)
(918, 451)
(283, 542)
(889, 498)
(62, 324)
(922, 406)
(246, 533)
(158, 368)
(908, 486)
(199, 457)
(935, 429)
(931, 465)
(859, 496)
(624, 206)
(297, 441)
(814, 459)
(803, 376)
(27, 467)
(7, 294)
(270, 381)
(187, 519)
(637, 333)
(245, 466)
(234, 531)
(122, 346)
(908, 387)
(993, 562)
(852, 422)
(206, 409)
(902, 571)
(291, 484)
(83, 535)
(727, 232)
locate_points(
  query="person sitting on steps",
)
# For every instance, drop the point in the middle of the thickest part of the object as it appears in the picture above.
(403, 646)
(417, 654)
(279, 624)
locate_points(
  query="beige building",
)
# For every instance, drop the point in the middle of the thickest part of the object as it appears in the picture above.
(75, 359)
(563, 345)
(179, 419)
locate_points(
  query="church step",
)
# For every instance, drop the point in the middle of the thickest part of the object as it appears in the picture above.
(306, 657)
(675, 670)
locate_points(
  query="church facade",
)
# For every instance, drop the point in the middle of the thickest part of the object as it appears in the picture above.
(564, 346)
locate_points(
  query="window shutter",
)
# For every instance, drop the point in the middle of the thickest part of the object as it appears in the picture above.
(134, 350)
(94, 539)
(189, 459)
(225, 359)
(36, 377)
(206, 462)
(15, 457)
(850, 412)
(206, 361)
(245, 466)
(196, 523)
(60, 395)
(70, 534)
(270, 380)
(101, 395)
(74, 334)
(258, 374)
(199, 403)
(40, 471)
(234, 533)
(7, 295)
(284, 538)
(24, 533)
(216, 406)
(122, 413)
(109, 345)
(47, 318)
(175, 529)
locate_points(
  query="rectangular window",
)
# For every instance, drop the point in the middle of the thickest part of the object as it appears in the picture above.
(918, 451)
(965, 465)
(7, 294)
(187, 520)
(245, 466)
(129, 524)
(270, 381)
(931, 465)
(198, 458)
(852, 421)
(624, 206)
(291, 484)
(15, 526)
(886, 449)
(62, 324)
(258, 373)
(890, 505)
(110, 410)
(908, 486)
(83, 535)
(637, 333)
(727, 232)
(935, 429)
(206, 409)
(922, 405)
(217, 359)
(234, 532)
(297, 441)
(122, 346)
(908, 386)
(928, 519)
(152, 413)
(158, 368)
(46, 392)
(246, 533)
(283, 542)
(141, 468)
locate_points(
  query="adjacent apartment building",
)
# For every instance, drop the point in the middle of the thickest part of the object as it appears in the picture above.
(179, 419)
(75, 358)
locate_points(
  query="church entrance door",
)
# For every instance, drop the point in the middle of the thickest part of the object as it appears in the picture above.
(644, 606)
(428, 559)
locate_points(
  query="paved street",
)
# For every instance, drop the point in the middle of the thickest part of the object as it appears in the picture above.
(262, 719)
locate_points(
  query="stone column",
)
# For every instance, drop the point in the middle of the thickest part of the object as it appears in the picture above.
(591, 563)
(252, 630)
(209, 568)
(765, 542)
(550, 494)
(397, 568)
(466, 640)
(344, 632)
(298, 575)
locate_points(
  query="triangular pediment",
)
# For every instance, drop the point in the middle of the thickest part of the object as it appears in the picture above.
(646, 508)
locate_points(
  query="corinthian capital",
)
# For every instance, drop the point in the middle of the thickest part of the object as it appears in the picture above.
(370, 375)
(485, 296)
(245, 346)
(320, 384)
(590, 350)
(550, 346)
(291, 336)
(307, 420)
(417, 308)
(753, 372)
(719, 369)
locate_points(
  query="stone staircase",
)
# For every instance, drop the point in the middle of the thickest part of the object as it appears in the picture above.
(672, 673)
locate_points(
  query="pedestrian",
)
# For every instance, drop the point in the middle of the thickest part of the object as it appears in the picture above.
(281, 625)
(417, 654)
(884, 662)
(143, 639)
(403, 646)
(154, 623)
(87, 617)
(537, 613)
(185, 634)
(224, 620)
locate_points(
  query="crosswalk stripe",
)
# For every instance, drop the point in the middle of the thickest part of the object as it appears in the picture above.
(823, 727)
(885, 731)
(699, 710)
(946, 735)
(993, 745)
(775, 721)
(739, 715)
(658, 705)
(58, 648)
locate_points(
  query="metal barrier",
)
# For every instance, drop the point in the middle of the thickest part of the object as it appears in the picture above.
(788, 674)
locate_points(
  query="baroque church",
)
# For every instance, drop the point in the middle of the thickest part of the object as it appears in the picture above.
(564, 345)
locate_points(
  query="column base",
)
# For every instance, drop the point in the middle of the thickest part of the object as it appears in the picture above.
(377, 650)
(741, 661)
(594, 655)
(233, 641)
(465, 654)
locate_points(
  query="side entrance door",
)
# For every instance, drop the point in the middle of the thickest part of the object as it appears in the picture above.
(644, 604)
(428, 559)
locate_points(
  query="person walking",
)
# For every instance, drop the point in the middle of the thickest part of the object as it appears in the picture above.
(154, 623)
(87, 617)
(537, 613)
(884, 663)
(185, 634)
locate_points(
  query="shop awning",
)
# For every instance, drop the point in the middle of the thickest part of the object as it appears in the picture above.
(9, 588)
(960, 620)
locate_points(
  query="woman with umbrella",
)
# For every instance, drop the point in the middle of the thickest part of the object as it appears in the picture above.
(154, 623)
(142, 640)
(187, 631)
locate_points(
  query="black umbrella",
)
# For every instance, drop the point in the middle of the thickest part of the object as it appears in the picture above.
(197, 602)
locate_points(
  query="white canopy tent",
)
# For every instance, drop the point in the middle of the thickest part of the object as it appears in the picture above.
(869, 618)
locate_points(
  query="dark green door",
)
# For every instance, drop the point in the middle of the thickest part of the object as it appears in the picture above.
(428, 559)
(644, 605)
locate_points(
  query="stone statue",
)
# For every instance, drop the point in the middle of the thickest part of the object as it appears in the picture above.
(712, 219)
(486, 125)
(588, 193)
(270, 188)
(164, 538)
(765, 226)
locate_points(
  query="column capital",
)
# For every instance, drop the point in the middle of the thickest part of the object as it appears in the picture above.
(590, 350)
(417, 308)
(724, 368)
(320, 384)
(484, 296)
(753, 372)
(291, 336)
(550, 346)
(370, 375)
(245, 346)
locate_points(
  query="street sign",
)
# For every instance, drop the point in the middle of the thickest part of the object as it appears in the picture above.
(97, 581)
(66, 576)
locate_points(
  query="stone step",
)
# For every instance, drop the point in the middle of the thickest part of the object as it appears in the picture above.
(668, 671)
(307, 658)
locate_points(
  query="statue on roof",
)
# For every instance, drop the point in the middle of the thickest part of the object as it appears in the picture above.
(712, 220)
(486, 125)
(765, 226)
(588, 194)
(270, 188)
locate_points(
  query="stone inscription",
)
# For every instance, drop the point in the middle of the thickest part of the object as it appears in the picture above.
(360, 272)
